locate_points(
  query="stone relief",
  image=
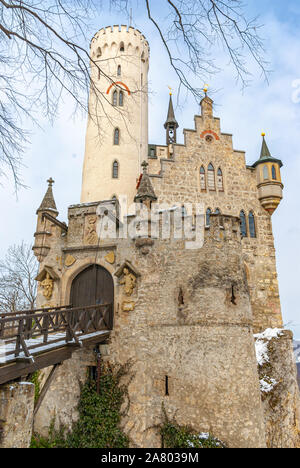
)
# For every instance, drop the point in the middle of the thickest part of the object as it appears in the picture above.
(70, 260)
(110, 258)
(91, 237)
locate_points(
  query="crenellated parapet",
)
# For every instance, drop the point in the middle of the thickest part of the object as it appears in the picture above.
(119, 39)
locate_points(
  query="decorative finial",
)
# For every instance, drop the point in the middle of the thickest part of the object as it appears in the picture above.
(50, 182)
(171, 90)
(144, 166)
(205, 89)
(263, 134)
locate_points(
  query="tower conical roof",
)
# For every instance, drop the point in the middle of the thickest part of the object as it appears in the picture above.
(171, 115)
(265, 155)
(145, 189)
(48, 203)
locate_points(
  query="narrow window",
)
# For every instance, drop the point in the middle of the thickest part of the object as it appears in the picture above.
(233, 297)
(252, 228)
(208, 213)
(266, 173)
(99, 53)
(211, 177)
(183, 211)
(167, 385)
(115, 170)
(121, 99)
(220, 180)
(117, 137)
(115, 98)
(202, 179)
(122, 47)
(274, 173)
(119, 70)
(142, 79)
(243, 224)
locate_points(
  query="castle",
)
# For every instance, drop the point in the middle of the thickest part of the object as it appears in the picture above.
(186, 318)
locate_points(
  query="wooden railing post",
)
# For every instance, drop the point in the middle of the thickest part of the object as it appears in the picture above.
(19, 337)
(46, 327)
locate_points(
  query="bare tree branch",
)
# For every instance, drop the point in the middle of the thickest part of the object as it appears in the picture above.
(41, 62)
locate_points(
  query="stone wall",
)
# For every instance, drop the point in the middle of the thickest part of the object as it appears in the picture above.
(16, 415)
(60, 403)
(177, 180)
(281, 400)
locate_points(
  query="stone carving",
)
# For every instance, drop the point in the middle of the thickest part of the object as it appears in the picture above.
(70, 260)
(128, 306)
(110, 258)
(129, 282)
(47, 285)
(91, 236)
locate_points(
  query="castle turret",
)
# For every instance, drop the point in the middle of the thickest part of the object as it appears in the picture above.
(43, 232)
(171, 124)
(117, 131)
(268, 179)
(145, 193)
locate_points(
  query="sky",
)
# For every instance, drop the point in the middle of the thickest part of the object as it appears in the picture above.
(57, 149)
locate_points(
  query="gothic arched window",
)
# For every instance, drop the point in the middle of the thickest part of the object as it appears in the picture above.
(202, 178)
(115, 98)
(122, 47)
(252, 228)
(211, 177)
(119, 70)
(121, 99)
(116, 136)
(220, 180)
(266, 173)
(98, 53)
(208, 213)
(115, 173)
(243, 224)
(274, 173)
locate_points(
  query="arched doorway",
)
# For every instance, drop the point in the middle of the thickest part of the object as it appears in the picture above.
(93, 286)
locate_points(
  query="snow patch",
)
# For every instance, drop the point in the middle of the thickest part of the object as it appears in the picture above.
(261, 343)
(267, 384)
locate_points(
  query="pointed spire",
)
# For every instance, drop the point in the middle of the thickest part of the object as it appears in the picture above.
(265, 155)
(48, 203)
(171, 120)
(145, 189)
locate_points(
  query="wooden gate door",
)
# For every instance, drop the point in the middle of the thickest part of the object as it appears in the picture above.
(93, 286)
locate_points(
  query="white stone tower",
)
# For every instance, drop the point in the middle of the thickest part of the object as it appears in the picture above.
(117, 130)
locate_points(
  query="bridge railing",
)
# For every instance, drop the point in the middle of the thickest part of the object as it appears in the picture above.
(26, 331)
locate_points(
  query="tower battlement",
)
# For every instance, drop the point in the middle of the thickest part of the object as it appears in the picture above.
(115, 37)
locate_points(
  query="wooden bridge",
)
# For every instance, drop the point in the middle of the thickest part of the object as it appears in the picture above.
(35, 339)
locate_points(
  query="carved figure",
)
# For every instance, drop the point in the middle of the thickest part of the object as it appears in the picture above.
(129, 282)
(47, 286)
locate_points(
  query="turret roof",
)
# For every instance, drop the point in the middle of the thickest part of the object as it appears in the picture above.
(171, 115)
(265, 155)
(145, 189)
(48, 203)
